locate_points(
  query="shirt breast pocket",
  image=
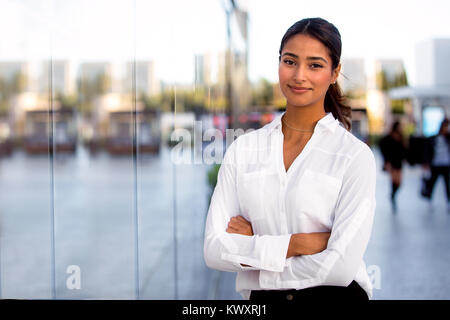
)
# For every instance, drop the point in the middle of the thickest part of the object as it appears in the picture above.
(316, 195)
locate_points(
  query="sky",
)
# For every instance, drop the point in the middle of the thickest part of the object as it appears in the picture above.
(171, 32)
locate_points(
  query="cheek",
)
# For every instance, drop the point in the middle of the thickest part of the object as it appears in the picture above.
(321, 78)
(282, 74)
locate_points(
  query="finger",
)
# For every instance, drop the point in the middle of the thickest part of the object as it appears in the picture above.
(233, 224)
(237, 223)
(240, 227)
(241, 218)
(235, 219)
(232, 230)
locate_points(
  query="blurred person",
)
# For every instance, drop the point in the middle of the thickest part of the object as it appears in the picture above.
(392, 147)
(293, 207)
(438, 160)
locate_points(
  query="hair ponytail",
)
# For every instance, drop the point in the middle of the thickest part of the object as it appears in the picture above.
(335, 103)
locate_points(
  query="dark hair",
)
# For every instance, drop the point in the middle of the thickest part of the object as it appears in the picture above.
(330, 37)
(443, 123)
(395, 126)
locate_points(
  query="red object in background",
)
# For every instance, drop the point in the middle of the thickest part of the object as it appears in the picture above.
(266, 118)
(243, 118)
(216, 121)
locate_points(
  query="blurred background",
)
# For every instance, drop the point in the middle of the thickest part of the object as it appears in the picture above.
(92, 205)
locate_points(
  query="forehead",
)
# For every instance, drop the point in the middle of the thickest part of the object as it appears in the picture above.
(304, 45)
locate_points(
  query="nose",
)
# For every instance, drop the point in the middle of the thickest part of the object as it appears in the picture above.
(300, 74)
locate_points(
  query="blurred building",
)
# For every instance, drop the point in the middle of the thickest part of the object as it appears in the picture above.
(202, 65)
(382, 75)
(9, 69)
(146, 81)
(33, 123)
(63, 77)
(387, 71)
(353, 82)
(430, 97)
(97, 76)
(432, 63)
(114, 121)
(236, 62)
(353, 76)
(15, 76)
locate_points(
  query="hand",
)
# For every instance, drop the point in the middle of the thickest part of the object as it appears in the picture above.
(239, 225)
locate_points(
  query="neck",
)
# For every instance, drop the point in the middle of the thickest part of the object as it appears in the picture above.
(302, 118)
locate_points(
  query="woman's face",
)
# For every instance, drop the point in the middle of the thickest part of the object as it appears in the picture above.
(305, 71)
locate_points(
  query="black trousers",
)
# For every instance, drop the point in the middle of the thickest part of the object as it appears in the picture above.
(353, 292)
(435, 173)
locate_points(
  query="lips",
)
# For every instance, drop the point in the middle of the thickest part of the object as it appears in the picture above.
(299, 89)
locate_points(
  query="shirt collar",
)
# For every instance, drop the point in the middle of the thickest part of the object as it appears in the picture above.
(328, 122)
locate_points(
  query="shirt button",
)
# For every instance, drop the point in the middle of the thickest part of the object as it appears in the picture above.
(289, 297)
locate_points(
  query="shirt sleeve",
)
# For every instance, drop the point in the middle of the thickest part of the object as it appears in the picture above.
(227, 251)
(338, 264)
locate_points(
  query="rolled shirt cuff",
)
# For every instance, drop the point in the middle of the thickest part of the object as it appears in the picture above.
(269, 254)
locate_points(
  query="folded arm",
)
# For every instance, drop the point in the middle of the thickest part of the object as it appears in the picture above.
(299, 243)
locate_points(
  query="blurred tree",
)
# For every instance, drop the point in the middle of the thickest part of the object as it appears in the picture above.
(262, 93)
(355, 94)
(68, 102)
(89, 89)
(87, 92)
(398, 106)
(384, 84)
(168, 100)
(19, 83)
(103, 83)
(382, 81)
(151, 102)
(212, 175)
(194, 101)
(400, 80)
(4, 94)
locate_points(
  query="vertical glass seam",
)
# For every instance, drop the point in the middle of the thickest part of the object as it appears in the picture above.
(135, 152)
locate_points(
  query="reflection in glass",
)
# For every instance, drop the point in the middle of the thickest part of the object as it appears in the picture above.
(92, 205)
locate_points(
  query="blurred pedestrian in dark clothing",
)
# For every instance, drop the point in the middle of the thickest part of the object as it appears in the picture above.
(393, 149)
(437, 159)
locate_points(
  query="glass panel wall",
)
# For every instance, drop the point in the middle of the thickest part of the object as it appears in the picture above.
(94, 176)
(26, 197)
(112, 123)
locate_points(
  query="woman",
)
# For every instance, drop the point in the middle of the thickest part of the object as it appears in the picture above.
(293, 207)
(393, 150)
(438, 160)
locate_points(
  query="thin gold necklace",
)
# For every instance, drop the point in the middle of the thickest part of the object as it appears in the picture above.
(282, 120)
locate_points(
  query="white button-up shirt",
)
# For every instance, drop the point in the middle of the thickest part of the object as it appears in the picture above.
(330, 187)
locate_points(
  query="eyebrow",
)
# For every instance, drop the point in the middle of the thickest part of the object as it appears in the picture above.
(307, 58)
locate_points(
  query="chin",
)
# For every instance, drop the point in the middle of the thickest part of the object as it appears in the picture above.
(300, 104)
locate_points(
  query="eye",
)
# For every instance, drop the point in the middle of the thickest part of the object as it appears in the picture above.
(289, 62)
(315, 65)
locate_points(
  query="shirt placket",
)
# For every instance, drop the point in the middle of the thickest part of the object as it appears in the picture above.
(283, 186)
(271, 279)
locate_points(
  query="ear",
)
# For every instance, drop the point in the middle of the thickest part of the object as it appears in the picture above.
(335, 73)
